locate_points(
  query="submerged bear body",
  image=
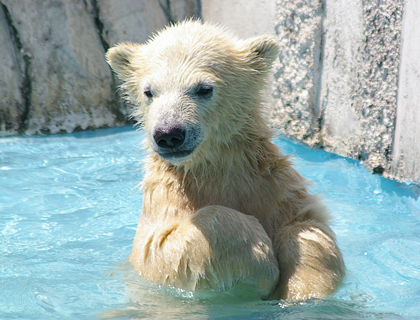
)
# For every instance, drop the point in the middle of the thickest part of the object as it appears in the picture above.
(221, 203)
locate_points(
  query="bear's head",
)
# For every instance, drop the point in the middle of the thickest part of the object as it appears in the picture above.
(197, 89)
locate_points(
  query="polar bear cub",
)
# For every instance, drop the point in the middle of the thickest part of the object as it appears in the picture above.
(221, 203)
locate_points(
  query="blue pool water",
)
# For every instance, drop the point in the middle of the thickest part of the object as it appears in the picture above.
(69, 208)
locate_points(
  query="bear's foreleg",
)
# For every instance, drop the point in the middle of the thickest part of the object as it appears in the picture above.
(216, 245)
(310, 261)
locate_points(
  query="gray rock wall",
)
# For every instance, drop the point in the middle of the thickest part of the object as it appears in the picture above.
(53, 75)
(347, 78)
(344, 96)
(359, 82)
(405, 161)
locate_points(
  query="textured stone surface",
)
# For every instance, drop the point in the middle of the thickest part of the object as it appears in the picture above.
(297, 72)
(360, 79)
(12, 105)
(129, 20)
(69, 79)
(406, 151)
(245, 19)
(342, 42)
(178, 10)
(53, 75)
(337, 78)
(377, 83)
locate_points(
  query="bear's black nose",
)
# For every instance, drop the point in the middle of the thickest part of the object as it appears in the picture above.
(171, 139)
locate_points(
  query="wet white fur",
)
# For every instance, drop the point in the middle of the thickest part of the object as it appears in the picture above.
(234, 210)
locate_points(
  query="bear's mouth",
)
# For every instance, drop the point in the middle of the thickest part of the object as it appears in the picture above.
(175, 154)
(175, 157)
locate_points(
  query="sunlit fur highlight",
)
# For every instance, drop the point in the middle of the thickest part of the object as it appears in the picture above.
(235, 210)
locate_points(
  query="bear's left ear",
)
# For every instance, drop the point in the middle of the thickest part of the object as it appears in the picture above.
(263, 51)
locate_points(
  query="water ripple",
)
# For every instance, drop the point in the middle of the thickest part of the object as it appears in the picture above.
(68, 215)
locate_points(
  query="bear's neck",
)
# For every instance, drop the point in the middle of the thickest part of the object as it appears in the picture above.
(227, 179)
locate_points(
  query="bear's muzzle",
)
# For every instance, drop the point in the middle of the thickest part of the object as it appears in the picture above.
(175, 143)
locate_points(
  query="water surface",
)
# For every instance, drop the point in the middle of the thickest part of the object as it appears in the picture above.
(69, 208)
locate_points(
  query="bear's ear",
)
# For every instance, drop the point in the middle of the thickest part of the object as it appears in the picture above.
(263, 51)
(120, 59)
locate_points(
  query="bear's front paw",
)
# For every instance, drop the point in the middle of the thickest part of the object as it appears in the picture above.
(173, 254)
(217, 246)
(240, 250)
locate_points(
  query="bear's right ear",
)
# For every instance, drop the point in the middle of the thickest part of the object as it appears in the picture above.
(263, 51)
(120, 59)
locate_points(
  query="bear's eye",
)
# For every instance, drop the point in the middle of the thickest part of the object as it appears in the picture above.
(204, 91)
(148, 94)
